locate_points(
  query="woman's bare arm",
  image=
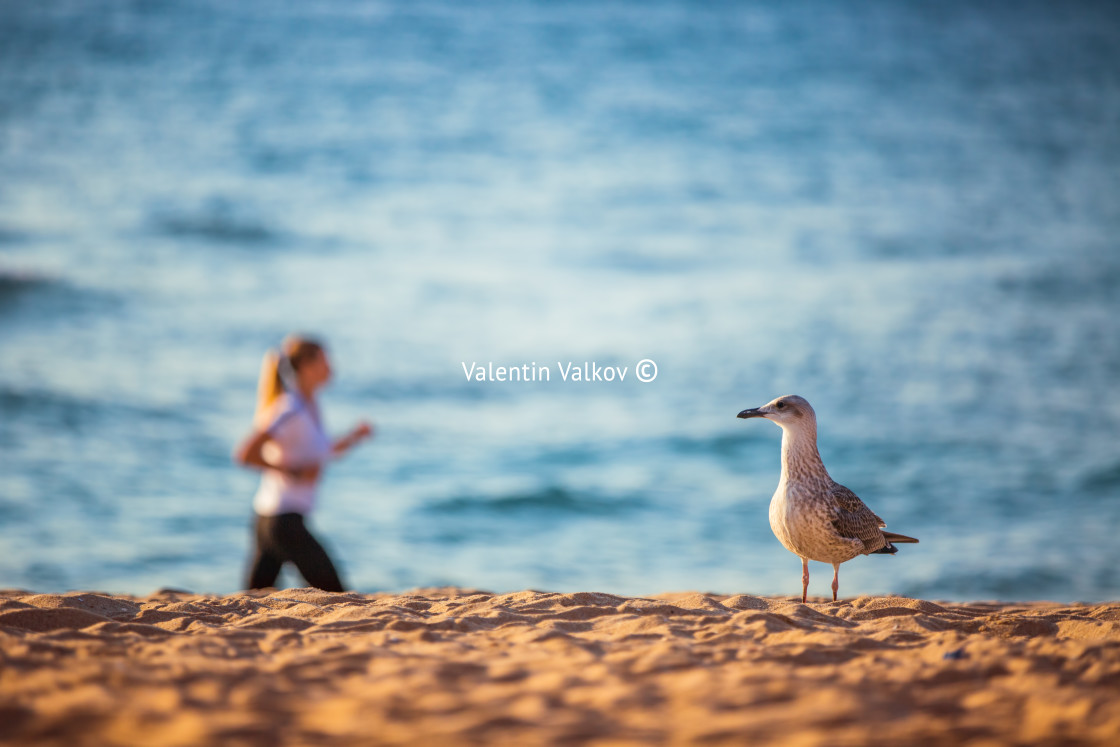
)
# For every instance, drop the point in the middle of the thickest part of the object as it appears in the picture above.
(250, 453)
(361, 432)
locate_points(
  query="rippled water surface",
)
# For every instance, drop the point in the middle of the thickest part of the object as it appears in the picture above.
(906, 212)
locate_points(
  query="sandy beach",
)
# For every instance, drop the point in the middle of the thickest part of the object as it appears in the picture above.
(454, 666)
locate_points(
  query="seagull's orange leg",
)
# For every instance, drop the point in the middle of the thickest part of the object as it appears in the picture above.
(804, 579)
(835, 579)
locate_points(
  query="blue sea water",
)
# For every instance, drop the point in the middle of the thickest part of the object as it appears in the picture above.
(908, 213)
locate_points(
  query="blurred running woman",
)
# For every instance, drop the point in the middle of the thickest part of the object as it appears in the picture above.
(291, 448)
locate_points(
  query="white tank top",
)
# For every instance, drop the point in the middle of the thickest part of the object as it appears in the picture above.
(297, 440)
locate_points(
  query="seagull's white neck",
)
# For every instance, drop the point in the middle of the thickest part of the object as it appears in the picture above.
(800, 458)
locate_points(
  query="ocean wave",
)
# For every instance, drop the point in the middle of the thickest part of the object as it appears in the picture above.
(418, 388)
(8, 236)
(717, 445)
(217, 221)
(1066, 282)
(1028, 582)
(51, 407)
(14, 283)
(68, 411)
(34, 295)
(552, 500)
(1103, 480)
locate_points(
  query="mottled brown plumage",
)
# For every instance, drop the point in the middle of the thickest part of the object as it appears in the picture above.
(852, 518)
(813, 516)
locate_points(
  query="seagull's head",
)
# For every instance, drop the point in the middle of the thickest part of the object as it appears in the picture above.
(788, 411)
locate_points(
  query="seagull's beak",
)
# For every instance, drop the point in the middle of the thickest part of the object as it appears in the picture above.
(752, 413)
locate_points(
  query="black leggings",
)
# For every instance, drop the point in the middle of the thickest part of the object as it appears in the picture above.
(284, 538)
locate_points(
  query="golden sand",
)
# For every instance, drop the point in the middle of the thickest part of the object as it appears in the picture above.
(452, 666)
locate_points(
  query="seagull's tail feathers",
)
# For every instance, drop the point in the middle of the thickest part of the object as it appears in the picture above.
(891, 538)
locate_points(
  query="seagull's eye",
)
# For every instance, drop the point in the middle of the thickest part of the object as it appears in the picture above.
(781, 405)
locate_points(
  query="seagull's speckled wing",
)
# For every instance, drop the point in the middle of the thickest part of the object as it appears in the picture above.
(853, 519)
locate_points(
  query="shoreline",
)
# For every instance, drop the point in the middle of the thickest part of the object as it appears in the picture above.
(459, 666)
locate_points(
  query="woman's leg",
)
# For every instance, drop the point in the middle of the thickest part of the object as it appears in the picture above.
(300, 547)
(265, 566)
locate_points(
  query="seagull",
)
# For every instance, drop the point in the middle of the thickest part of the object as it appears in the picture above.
(813, 516)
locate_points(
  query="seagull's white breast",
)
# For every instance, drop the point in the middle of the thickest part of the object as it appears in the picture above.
(801, 521)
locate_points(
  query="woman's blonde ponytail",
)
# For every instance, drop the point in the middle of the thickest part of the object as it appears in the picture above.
(269, 388)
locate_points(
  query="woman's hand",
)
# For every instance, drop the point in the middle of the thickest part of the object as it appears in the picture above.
(360, 432)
